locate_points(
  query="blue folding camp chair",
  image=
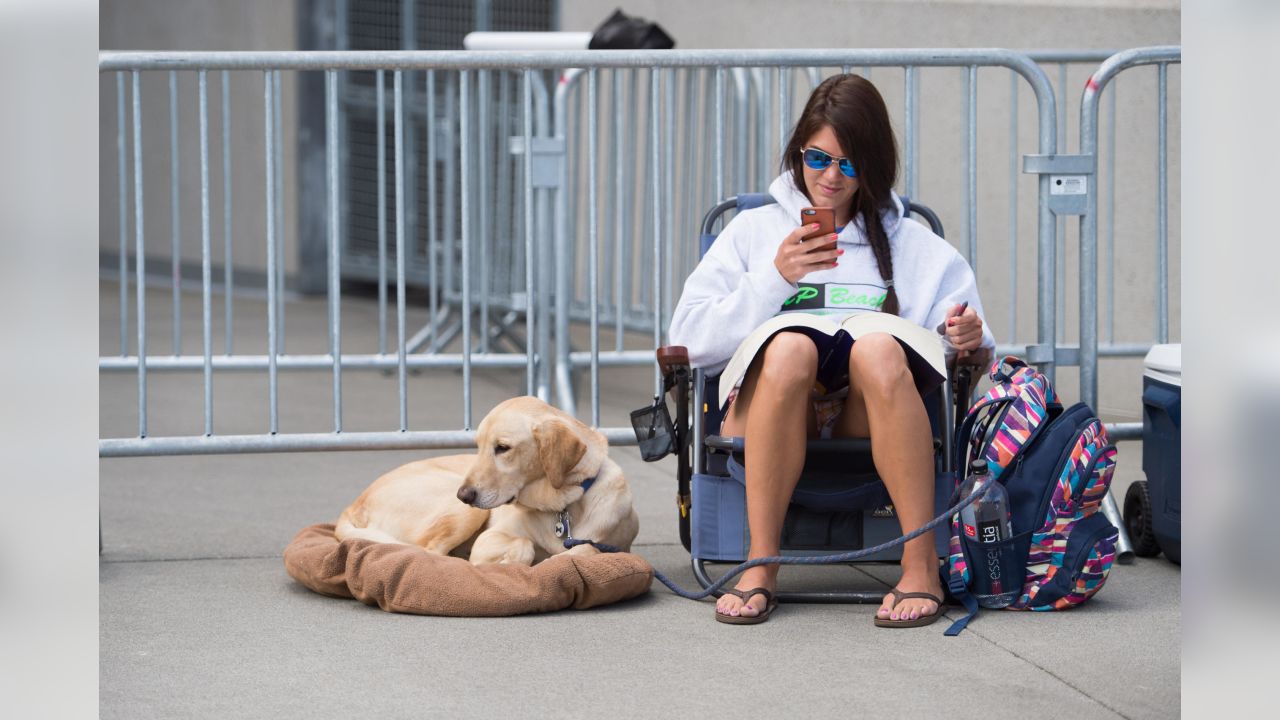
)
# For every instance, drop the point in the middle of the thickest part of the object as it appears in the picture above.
(839, 504)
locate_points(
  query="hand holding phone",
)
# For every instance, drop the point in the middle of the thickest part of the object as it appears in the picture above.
(796, 257)
(824, 216)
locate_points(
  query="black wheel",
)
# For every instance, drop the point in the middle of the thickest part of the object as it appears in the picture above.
(1137, 520)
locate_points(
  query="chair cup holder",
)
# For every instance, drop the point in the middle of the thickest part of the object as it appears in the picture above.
(654, 430)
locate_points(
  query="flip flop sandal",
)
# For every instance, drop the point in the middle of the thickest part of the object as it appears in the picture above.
(770, 604)
(898, 597)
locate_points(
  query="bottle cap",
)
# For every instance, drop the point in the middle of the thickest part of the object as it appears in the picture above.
(977, 467)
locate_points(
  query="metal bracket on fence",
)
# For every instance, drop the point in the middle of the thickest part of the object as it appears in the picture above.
(548, 156)
(1060, 357)
(1068, 180)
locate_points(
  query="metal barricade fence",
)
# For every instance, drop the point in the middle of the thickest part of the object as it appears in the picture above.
(1087, 208)
(130, 67)
(700, 114)
(715, 122)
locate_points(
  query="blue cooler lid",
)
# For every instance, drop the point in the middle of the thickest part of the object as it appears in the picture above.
(1164, 363)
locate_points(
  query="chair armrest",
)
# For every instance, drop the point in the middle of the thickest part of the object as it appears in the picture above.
(672, 357)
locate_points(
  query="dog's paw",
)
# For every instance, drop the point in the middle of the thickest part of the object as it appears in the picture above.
(582, 550)
(521, 555)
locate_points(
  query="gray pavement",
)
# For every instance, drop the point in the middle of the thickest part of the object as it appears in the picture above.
(199, 619)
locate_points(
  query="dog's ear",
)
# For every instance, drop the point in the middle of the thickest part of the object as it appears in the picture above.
(559, 448)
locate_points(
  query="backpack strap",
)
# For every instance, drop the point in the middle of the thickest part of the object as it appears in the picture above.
(998, 375)
(956, 586)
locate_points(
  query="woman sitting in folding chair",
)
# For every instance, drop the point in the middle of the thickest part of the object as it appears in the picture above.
(841, 155)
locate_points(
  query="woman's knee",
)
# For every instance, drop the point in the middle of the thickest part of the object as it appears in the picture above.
(878, 364)
(789, 360)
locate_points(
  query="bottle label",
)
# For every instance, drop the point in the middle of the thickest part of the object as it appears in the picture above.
(988, 532)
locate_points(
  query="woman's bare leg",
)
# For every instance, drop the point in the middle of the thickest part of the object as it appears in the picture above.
(774, 411)
(884, 405)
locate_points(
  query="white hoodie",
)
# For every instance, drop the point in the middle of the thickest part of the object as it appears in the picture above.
(736, 286)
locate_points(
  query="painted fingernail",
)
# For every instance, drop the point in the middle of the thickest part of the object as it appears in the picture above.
(839, 252)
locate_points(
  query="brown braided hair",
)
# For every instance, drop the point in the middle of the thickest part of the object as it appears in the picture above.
(856, 113)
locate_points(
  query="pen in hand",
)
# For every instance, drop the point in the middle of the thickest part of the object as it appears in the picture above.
(955, 312)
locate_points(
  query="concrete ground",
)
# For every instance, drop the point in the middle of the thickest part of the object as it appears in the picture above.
(199, 619)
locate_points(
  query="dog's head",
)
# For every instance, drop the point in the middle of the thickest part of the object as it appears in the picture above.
(527, 452)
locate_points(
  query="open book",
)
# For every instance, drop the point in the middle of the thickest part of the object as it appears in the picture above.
(834, 334)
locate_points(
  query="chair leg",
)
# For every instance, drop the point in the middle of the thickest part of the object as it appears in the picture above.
(861, 597)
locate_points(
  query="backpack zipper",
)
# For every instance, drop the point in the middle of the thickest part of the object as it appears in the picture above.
(1093, 464)
(994, 426)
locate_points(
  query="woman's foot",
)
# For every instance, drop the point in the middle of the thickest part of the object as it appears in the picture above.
(764, 576)
(922, 580)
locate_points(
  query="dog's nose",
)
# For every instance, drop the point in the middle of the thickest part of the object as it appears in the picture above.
(467, 494)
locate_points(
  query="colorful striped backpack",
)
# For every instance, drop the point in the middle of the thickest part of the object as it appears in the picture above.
(1056, 466)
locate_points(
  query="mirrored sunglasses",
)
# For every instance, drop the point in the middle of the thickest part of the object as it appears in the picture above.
(817, 160)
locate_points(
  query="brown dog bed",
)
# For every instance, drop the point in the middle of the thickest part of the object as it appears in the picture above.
(408, 579)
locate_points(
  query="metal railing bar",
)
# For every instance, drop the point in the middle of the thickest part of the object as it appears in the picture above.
(655, 80)
(1013, 207)
(335, 314)
(1058, 56)
(784, 107)
(228, 271)
(122, 151)
(401, 201)
(433, 230)
(1060, 223)
(365, 362)
(615, 91)
(971, 162)
(668, 190)
(279, 216)
(206, 262)
(593, 247)
(293, 442)
(484, 175)
(908, 119)
(140, 281)
(1111, 212)
(175, 214)
(350, 362)
(719, 125)
(1162, 206)
(526, 101)
(381, 120)
(551, 60)
(464, 107)
(273, 289)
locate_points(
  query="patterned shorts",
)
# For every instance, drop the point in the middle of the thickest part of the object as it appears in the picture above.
(826, 408)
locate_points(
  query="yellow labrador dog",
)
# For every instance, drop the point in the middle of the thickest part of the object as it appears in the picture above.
(538, 472)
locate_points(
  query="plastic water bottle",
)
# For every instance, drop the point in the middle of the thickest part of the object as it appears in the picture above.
(985, 524)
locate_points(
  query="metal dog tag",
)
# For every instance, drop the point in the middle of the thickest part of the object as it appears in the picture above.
(562, 526)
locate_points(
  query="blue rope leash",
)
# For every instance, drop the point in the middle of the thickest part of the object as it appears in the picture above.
(780, 560)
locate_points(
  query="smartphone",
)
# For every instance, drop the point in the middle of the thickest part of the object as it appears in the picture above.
(824, 216)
